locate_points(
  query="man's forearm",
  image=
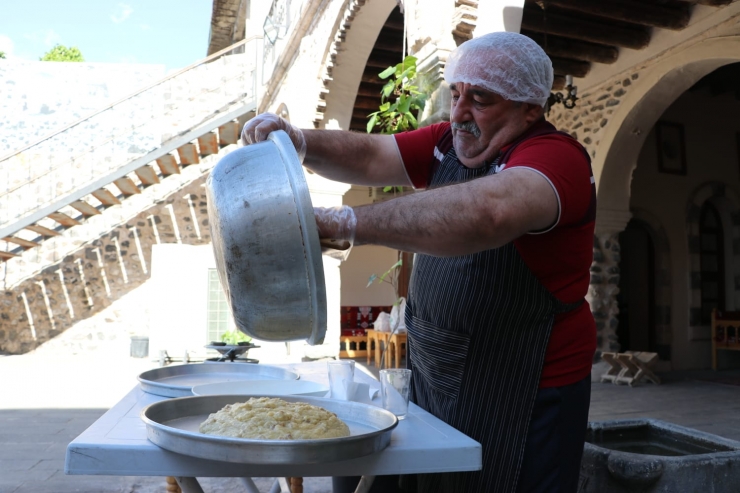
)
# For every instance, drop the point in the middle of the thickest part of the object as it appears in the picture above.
(445, 222)
(350, 157)
(463, 218)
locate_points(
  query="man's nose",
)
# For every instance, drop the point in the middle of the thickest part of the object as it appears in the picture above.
(460, 111)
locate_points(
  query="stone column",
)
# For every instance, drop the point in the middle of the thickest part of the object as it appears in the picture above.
(602, 293)
(499, 15)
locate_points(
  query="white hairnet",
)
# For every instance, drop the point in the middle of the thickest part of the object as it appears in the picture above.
(509, 64)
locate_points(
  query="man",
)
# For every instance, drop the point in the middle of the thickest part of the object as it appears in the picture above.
(500, 340)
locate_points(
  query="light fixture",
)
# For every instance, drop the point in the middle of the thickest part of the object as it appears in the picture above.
(568, 100)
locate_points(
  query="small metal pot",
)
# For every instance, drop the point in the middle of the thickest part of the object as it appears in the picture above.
(266, 243)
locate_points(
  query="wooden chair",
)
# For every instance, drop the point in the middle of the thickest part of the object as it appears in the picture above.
(638, 365)
(725, 333)
(616, 369)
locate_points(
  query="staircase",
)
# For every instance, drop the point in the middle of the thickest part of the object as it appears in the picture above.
(72, 193)
(59, 181)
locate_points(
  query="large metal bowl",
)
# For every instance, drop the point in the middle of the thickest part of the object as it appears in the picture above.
(266, 243)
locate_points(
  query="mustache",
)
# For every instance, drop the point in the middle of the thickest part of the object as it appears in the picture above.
(468, 127)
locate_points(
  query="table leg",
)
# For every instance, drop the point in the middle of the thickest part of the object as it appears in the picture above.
(250, 486)
(296, 485)
(172, 486)
(365, 483)
(377, 352)
(189, 485)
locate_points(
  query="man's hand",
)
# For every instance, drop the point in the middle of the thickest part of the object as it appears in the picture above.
(258, 128)
(336, 223)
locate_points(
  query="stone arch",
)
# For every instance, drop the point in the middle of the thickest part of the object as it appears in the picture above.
(353, 42)
(663, 274)
(727, 202)
(652, 91)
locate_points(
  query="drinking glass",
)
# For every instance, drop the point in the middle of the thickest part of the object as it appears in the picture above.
(394, 389)
(341, 376)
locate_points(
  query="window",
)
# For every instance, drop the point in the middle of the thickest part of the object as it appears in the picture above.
(219, 316)
(712, 262)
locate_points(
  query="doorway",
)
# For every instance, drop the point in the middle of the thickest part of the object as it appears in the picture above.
(636, 299)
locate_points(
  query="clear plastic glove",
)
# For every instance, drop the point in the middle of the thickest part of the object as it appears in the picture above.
(258, 128)
(336, 223)
(336, 227)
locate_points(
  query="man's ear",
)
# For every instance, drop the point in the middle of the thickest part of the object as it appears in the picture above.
(532, 112)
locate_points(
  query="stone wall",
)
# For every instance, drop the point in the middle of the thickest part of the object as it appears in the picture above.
(88, 279)
(587, 123)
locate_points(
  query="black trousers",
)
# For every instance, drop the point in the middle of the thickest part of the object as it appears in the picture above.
(552, 455)
(557, 432)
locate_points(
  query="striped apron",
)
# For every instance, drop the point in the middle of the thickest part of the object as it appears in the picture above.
(478, 327)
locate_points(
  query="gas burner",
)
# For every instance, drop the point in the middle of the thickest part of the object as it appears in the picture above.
(231, 352)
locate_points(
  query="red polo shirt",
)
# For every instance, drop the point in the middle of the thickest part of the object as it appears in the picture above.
(559, 257)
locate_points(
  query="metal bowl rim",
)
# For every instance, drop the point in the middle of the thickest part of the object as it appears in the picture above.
(215, 439)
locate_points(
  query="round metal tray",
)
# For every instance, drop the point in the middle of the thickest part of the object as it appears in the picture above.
(179, 380)
(173, 425)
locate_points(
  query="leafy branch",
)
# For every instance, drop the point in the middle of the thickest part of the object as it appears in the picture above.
(390, 276)
(400, 100)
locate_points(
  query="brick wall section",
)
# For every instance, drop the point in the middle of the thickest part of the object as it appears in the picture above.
(85, 278)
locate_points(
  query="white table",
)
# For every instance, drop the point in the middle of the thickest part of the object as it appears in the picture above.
(116, 445)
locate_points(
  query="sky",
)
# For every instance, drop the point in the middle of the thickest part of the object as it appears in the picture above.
(169, 32)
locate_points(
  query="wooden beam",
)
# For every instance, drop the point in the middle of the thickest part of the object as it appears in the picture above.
(390, 43)
(168, 165)
(106, 197)
(571, 48)
(42, 230)
(127, 186)
(367, 104)
(208, 144)
(383, 59)
(568, 66)
(188, 154)
(6, 255)
(558, 83)
(594, 32)
(147, 175)
(633, 12)
(371, 75)
(20, 241)
(63, 219)
(86, 209)
(369, 90)
(228, 133)
(711, 3)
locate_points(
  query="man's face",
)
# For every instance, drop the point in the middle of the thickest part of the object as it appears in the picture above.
(483, 122)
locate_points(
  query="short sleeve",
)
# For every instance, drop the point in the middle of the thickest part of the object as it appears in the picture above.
(417, 149)
(561, 160)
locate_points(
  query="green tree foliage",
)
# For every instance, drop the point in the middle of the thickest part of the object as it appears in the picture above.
(400, 100)
(2, 54)
(61, 53)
